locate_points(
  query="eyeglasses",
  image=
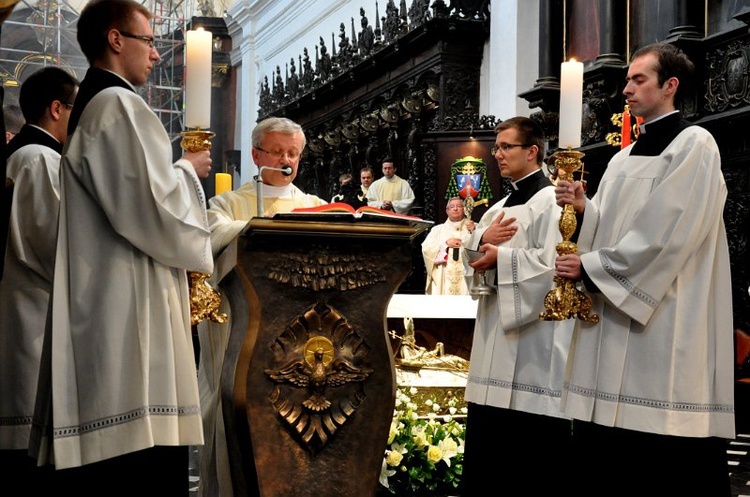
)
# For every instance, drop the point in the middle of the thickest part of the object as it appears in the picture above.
(279, 155)
(68, 105)
(505, 147)
(147, 39)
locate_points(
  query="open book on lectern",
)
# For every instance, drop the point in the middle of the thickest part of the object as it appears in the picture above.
(341, 210)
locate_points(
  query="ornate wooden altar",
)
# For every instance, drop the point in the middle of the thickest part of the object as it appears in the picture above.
(308, 381)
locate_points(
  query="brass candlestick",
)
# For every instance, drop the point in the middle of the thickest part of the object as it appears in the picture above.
(565, 300)
(204, 299)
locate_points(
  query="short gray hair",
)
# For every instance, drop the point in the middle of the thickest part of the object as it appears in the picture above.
(276, 125)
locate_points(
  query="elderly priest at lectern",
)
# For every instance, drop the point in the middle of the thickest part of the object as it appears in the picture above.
(277, 142)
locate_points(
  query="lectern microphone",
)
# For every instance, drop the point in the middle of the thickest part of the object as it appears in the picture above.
(286, 170)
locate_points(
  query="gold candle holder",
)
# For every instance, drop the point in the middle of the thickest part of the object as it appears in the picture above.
(565, 300)
(196, 140)
(205, 301)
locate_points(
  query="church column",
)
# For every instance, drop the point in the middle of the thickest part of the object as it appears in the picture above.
(612, 31)
(688, 34)
(550, 41)
(689, 20)
(546, 91)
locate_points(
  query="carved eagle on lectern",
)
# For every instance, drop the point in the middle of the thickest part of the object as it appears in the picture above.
(316, 370)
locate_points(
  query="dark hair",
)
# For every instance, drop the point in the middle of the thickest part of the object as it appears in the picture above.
(366, 169)
(44, 87)
(98, 17)
(671, 62)
(14, 119)
(529, 133)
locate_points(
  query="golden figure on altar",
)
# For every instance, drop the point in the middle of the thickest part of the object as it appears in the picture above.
(411, 355)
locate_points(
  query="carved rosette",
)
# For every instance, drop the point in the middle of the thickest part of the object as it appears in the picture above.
(319, 374)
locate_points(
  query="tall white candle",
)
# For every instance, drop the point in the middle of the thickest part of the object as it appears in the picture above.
(198, 79)
(571, 104)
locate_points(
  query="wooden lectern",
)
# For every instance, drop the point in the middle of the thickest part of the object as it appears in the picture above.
(308, 381)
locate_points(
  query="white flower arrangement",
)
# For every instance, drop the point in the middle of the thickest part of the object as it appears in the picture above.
(424, 456)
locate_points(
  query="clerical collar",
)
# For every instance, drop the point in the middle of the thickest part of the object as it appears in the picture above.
(277, 191)
(661, 132)
(644, 125)
(123, 79)
(527, 187)
(33, 135)
(44, 131)
(515, 184)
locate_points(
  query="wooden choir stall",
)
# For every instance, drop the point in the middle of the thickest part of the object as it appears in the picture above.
(308, 381)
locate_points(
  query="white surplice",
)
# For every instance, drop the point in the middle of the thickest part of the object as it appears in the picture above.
(396, 190)
(660, 360)
(26, 286)
(517, 360)
(120, 368)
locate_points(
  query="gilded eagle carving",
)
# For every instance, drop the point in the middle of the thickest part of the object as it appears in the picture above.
(318, 369)
(319, 374)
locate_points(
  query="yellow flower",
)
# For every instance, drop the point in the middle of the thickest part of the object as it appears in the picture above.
(434, 454)
(393, 457)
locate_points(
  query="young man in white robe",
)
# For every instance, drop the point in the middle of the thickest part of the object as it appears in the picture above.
(46, 98)
(118, 398)
(391, 192)
(442, 252)
(277, 142)
(652, 381)
(517, 362)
